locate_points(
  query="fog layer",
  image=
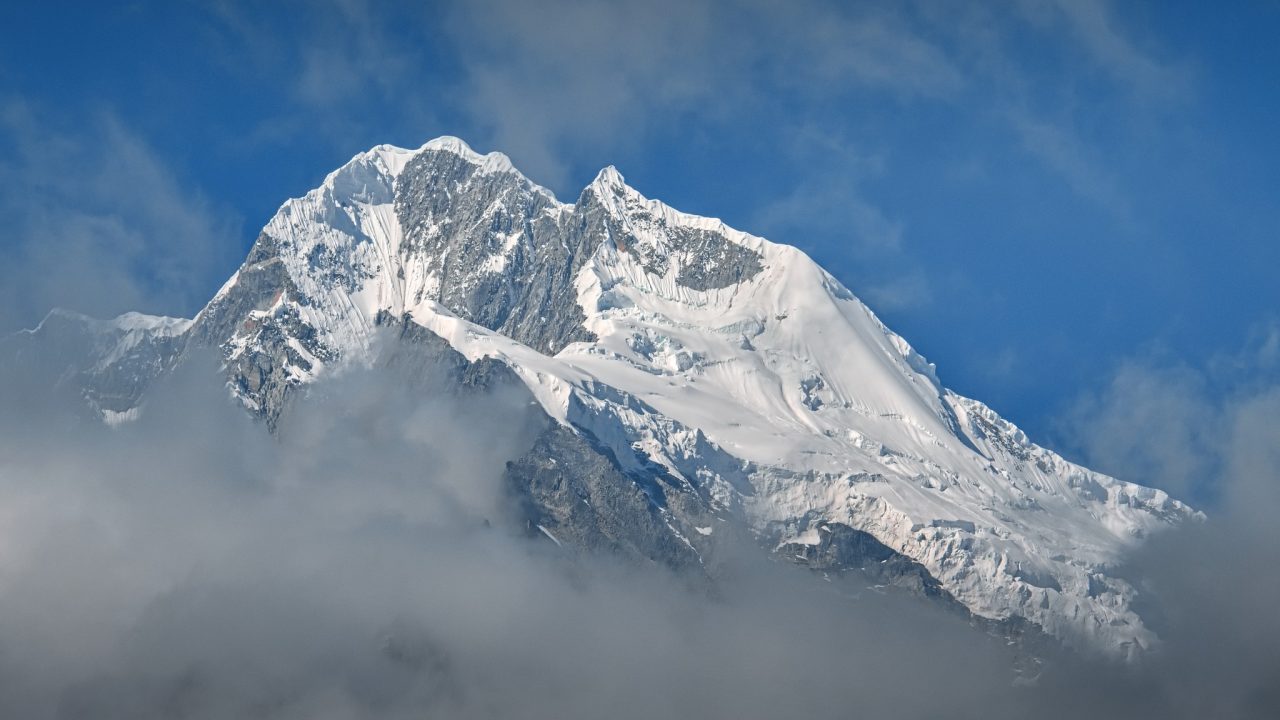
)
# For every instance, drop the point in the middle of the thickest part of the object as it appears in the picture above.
(364, 562)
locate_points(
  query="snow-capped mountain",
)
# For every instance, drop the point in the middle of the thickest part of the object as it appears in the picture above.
(700, 381)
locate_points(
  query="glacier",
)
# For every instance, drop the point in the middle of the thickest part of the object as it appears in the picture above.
(739, 387)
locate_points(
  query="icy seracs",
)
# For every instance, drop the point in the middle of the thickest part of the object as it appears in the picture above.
(742, 370)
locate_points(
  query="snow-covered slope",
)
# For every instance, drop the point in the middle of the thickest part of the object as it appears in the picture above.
(751, 375)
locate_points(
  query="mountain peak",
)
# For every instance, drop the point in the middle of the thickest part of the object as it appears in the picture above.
(756, 386)
(489, 162)
(608, 178)
(391, 159)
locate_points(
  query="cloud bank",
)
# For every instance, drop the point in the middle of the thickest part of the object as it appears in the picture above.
(363, 563)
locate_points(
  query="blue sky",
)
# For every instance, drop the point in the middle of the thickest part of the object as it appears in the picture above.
(1060, 202)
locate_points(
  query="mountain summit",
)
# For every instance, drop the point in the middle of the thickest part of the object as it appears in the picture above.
(699, 381)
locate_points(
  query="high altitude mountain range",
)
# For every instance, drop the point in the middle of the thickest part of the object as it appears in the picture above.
(694, 383)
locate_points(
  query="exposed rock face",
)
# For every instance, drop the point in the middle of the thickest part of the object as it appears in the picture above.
(702, 258)
(501, 252)
(496, 249)
(838, 547)
(575, 491)
(695, 383)
(270, 348)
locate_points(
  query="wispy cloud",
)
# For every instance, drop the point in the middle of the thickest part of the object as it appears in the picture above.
(829, 214)
(570, 78)
(332, 69)
(1066, 80)
(1154, 425)
(567, 86)
(1166, 423)
(98, 222)
(1113, 48)
(1079, 164)
(541, 80)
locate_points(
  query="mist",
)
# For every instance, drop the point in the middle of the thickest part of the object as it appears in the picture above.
(1210, 434)
(361, 563)
(366, 562)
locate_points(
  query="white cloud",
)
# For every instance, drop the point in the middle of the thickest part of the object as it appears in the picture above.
(1075, 161)
(1171, 425)
(98, 222)
(576, 79)
(1094, 25)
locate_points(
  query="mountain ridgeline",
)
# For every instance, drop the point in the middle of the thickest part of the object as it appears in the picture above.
(694, 386)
